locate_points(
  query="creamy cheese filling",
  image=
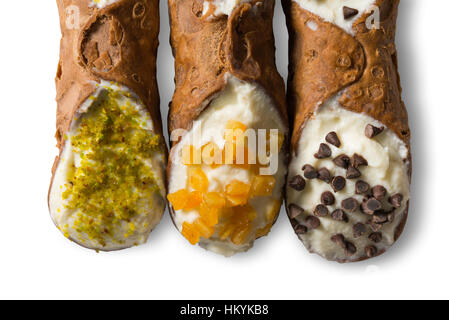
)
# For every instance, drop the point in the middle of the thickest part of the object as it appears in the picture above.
(388, 166)
(88, 215)
(249, 105)
(222, 7)
(102, 3)
(332, 10)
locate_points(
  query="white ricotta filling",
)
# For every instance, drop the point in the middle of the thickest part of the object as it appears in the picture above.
(100, 4)
(65, 218)
(222, 7)
(248, 104)
(332, 10)
(387, 157)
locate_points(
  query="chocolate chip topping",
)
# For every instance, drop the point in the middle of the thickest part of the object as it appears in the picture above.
(372, 131)
(379, 192)
(364, 208)
(297, 182)
(309, 172)
(338, 183)
(300, 229)
(396, 200)
(327, 198)
(312, 222)
(348, 12)
(371, 251)
(358, 161)
(375, 226)
(350, 205)
(339, 239)
(332, 138)
(323, 152)
(321, 211)
(380, 218)
(324, 175)
(351, 249)
(373, 204)
(353, 173)
(361, 187)
(294, 211)
(375, 237)
(358, 230)
(339, 215)
(342, 161)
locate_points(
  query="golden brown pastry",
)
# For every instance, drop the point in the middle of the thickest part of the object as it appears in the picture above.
(226, 82)
(349, 175)
(108, 185)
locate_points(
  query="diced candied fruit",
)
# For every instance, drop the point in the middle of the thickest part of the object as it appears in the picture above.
(198, 179)
(194, 200)
(237, 193)
(264, 231)
(214, 200)
(178, 199)
(190, 155)
(234, 129)
(262, 186)
(244, 215)
(204, 230)
(190, 233)
(240, 235)
(209, 215)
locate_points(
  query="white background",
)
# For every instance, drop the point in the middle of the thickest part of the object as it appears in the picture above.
(36, 261)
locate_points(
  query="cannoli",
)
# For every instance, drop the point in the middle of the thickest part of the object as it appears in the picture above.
(108, 186)
(225, 189)
(350, 169)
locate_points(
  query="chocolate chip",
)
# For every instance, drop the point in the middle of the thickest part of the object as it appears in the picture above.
(324, 175)
(371, 251)
(391, 216)
(353, 173)
(327, 198)
(372, 131)
(375, 226)
(373, 204)
(338, 183)
(309, 172)
(396, 200)
(358, 230)
(350, 205)
(379, 192)
(380, 218)
(339, 215)
(332, 138)
(358, 161)
(342, 161)
(375, 237)
(361, 187)
(323, 152)
(348, 12)
(294, 211)
(300, 229)
(321, 211)
(312, 222)
(351, 249)
(297, 182)
(339, 239)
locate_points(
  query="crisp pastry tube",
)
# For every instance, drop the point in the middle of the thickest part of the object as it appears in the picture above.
(108, 185)
(349, 174)
(225, 189)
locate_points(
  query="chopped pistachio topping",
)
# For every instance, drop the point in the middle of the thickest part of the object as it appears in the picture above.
(113, 183)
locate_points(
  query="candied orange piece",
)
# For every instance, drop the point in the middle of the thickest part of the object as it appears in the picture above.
(209, 215)
(190, 233)
(244, 215)
(214, 200)
(237, 193)
(226, 232)
(178, 199)
(190, 155)
(240, 235)
(234, 129)
(273, 212)
(263, 186)
(204, 230)
(194, 200)
(264, 231)
(198, 179)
